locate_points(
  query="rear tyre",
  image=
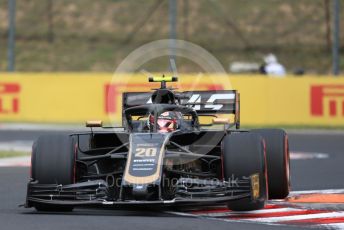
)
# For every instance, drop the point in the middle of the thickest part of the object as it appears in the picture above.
(53, 162)
(243, 156)
(277, 157)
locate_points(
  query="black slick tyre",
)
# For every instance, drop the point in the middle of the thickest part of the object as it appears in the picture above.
(244, 156)
(53, 162)
(277, 157)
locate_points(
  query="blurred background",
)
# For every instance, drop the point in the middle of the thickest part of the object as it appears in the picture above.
(87, 35)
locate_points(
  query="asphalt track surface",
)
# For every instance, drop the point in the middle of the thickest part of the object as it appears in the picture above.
(306, 175)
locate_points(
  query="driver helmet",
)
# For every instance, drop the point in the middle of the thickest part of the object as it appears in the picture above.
(166, 122)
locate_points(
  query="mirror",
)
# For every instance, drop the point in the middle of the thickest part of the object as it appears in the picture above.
(92, 124)
(219, 120)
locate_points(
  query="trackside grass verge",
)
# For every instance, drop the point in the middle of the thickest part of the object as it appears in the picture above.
(7, 154)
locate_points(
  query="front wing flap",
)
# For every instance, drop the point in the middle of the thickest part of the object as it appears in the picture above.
(96, 193)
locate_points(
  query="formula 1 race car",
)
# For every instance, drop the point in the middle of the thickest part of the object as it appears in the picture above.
(162, 155)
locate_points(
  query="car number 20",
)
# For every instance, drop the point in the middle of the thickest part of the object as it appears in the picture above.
(145, 152)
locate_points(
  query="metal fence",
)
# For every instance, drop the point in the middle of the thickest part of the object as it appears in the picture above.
(87, 35)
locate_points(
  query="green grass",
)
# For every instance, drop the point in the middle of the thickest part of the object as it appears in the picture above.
(89, 35)
(7, 154)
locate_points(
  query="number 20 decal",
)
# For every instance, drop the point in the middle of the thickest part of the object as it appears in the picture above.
(145, 152)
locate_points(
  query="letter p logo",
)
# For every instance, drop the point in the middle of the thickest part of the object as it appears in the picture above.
(327, 97)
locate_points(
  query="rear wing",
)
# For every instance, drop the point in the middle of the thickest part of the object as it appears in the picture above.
(204, 102)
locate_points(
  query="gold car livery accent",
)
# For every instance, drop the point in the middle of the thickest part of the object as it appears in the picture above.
(255, 186)
(131, 179)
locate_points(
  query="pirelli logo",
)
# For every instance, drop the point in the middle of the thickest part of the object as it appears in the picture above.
(327, 100)
(9, 98)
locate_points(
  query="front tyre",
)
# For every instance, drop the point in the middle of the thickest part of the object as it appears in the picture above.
(243, 156)
(53, 162)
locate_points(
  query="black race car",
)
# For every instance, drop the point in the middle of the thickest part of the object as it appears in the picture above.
(162, 156)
